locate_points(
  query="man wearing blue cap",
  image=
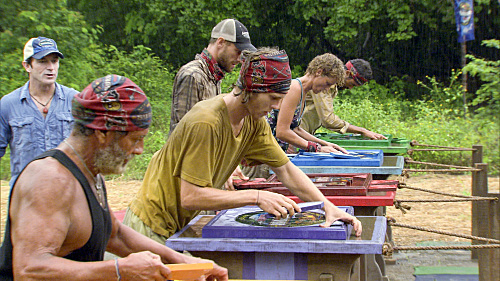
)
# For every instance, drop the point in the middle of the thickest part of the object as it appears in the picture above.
(37, 116)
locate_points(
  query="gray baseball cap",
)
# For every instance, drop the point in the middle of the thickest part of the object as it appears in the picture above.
(234, 31)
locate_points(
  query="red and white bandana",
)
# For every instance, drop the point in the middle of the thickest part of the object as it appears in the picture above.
(112, 103)
(266, 74)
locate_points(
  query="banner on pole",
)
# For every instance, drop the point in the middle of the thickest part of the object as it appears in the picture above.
(464, 15)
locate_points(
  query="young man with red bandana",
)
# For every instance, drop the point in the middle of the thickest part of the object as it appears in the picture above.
(210, 142)
(319, 107)
(200, 79)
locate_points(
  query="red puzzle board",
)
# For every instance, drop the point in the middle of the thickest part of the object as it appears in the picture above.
(329, 184)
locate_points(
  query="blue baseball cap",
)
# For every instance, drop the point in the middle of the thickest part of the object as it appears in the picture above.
(40, 47)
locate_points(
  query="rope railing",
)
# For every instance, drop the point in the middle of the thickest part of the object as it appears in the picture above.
(393, 222)
(449, 148)
(388, 248)
(455, 167)
(398, 203)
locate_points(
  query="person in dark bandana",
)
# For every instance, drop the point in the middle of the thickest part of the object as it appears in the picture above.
(207, 145)
(59, 223)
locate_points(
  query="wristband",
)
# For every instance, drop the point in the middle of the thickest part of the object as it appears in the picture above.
(313, 146)
(119, 277)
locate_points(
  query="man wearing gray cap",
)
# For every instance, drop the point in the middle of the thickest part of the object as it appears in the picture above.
(37, 116)
(200, 79)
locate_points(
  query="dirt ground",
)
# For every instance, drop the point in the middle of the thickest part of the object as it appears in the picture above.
(452, 217)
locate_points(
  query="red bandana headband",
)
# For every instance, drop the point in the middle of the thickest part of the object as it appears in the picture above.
(268, 73)
(360, 80)
(112, 103)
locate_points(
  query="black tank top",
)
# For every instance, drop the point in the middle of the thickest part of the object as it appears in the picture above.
(95, 247)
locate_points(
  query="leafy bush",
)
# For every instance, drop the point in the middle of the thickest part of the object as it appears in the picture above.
(487, 99)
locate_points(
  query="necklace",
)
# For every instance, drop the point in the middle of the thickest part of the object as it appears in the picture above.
(45, 109)
(98, 180)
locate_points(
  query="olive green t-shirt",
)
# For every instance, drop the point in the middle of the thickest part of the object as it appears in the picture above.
(201, 150)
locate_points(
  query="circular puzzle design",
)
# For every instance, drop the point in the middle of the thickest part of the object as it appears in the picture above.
(261, 218)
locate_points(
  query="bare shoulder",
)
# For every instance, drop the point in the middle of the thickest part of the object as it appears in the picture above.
(292, 98)
(295, 88)
(45, 181)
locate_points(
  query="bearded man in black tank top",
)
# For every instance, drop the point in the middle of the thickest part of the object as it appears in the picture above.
(59, 223)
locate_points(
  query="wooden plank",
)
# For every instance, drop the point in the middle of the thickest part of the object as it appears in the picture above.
(185, 271)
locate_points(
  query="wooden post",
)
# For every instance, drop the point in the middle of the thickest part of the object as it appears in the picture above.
(489, 259)
(479, 209)
(477, 154)
(477, 157)
(485, 223)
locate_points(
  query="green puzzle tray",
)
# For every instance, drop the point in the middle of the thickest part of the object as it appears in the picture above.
(358, 142)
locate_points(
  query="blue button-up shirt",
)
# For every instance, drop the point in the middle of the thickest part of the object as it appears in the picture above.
(26, 131)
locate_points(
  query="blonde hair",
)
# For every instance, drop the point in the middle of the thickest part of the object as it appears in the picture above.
(329, 65)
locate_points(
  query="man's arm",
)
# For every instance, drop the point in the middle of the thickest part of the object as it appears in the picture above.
(365, 132)
(185, 94)
(4, 129)
(48, 223)
(125, 241)
(199, 198)
(300, 184)
(50, 219)
(323, 102)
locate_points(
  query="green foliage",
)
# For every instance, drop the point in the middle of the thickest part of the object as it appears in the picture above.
(175, 30)
(230, 79)
(487, 98)
(426, 121)
(405, 41)
(5, 166)
(137, 167)
(26, 19)
(149, 73)
(438, 95)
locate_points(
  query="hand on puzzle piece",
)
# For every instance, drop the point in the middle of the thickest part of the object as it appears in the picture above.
(304, 207)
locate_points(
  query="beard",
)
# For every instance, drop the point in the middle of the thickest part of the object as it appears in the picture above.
(112, 160)
(225, 63)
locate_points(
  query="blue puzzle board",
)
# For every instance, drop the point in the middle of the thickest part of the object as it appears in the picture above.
(370, 158)
(224, 225)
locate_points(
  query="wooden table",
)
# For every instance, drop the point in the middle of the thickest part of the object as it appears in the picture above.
(373, 204)
(286, 259)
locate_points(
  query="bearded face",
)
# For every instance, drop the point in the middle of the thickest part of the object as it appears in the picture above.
(112, 159)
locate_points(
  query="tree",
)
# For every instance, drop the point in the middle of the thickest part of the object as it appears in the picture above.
(21, 20)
